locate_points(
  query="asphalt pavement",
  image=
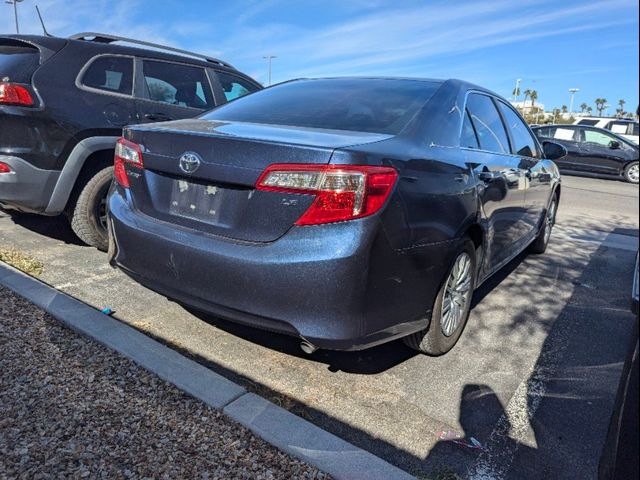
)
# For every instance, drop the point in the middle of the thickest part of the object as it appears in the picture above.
(533, 378)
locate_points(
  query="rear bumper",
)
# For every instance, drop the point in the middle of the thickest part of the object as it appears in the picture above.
(26, 188)
(313, 283)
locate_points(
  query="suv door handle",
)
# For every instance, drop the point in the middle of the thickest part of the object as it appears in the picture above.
(157, 117)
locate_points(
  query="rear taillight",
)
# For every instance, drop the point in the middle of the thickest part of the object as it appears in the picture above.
(4, 168)
(12, 94)
(127, 153)
(343, 192)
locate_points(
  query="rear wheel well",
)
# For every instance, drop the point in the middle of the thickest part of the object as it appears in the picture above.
(557, 192)
(94, 163)
(475, 233)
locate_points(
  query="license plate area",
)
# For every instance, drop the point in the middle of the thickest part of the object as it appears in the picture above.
(196, 201)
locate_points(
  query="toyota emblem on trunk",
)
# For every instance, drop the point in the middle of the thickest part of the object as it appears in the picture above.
(190, 162)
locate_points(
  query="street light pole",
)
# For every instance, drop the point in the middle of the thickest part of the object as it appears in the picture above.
(572, 91)
(269, 58)
(15, 11)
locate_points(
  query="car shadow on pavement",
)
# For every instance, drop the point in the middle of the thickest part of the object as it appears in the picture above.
(365, 362)
(555, 423)
(57, 227)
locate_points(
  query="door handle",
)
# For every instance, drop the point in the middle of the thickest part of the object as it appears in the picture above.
(157, 117)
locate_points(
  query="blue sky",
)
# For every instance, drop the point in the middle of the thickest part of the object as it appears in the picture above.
(552, 45)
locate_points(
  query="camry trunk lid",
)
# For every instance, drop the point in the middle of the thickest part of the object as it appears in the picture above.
(201, 174)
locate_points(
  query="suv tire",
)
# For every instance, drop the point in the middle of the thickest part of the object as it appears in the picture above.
(439, 337)
(88, 219)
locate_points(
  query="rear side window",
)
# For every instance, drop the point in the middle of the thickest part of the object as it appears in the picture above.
(18, 60)
(468, 137)
(235, 87)
(363, 105)
(177, 84)
(488, 124)
(111, 74)
(523, 142)
(623, 128)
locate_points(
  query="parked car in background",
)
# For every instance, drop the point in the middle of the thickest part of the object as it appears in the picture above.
(64, 101)
(593, 151)
(626, 128)
(345, 212)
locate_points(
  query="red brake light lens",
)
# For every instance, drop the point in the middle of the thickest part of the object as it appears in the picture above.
(4, 168)
(127, 153)
(12, 94)
(343, 192)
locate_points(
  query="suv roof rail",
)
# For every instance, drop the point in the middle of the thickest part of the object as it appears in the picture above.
(106, 38)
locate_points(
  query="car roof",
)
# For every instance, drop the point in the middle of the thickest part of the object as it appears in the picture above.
(55, 43)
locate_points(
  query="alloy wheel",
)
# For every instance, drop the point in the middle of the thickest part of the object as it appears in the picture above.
(457, 295)
(633, 173)
(550, 221)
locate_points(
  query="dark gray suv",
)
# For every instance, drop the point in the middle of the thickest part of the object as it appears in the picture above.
(64, 101)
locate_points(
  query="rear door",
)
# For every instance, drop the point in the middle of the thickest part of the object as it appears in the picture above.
(499, 173)
(172, 91)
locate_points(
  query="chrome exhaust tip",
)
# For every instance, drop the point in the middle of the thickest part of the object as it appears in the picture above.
(307, 347)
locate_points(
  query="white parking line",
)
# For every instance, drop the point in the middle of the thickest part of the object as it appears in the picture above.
(606, 239)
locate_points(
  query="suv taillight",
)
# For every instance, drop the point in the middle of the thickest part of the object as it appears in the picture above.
(4, 168)
(343, 192)
(127, 153)
(12, 94)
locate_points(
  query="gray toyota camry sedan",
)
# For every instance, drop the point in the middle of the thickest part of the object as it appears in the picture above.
(346, 212)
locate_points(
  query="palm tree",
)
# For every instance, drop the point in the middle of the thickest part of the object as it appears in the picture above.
(620, 110)
(583, 107)
(564, 109)
(534, 96)
(527, 94)
(600, 103)
(589, 110)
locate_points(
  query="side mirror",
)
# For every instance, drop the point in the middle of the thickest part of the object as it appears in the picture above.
(553, 150)
(614, 145)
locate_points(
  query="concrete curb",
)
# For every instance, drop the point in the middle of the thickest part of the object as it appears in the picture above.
(277, 426)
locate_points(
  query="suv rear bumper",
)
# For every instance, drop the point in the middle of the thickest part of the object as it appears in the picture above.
(26, 188)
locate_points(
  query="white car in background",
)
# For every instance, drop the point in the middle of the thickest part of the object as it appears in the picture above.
(623, 127)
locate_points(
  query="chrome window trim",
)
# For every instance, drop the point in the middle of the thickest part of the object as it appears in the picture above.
(83, 70)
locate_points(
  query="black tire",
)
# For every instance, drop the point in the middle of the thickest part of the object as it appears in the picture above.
(433, 341)
(631, 173)
(541, 242)
(88, 219)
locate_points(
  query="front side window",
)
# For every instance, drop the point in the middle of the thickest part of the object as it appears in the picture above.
(235, 87)
(598, 138)
(523, 142)
(488, 124)
(175, 84)
(111, 74)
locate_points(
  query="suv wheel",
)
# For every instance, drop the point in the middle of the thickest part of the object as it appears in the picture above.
(89, 217)
(451, 308)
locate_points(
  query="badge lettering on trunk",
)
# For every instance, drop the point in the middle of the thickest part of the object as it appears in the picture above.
(189, 162)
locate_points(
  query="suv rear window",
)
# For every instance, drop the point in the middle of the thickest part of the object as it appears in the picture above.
(111, 74)
(18, 60)
(365, 105)
(235, 87)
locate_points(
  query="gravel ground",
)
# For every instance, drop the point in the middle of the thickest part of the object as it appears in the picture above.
(71, 408)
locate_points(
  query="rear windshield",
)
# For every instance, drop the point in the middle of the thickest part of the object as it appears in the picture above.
(364, 105)
(18, 61)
